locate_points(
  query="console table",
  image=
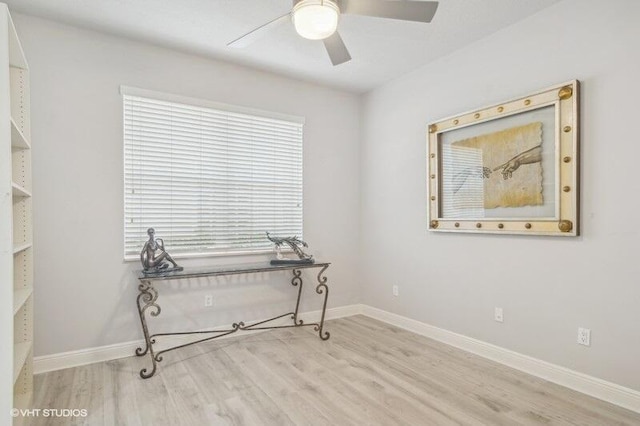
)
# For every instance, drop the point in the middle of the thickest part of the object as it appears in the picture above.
(147, 300)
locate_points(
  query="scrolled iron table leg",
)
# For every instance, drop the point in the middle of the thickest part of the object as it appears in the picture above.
(297, 281)
(320, 289)
(147, 300)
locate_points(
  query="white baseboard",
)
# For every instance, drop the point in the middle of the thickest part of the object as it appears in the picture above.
(598, 388)
(60, 361)
(589, 385)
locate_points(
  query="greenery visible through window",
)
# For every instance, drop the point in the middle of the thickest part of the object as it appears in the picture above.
(208, 179)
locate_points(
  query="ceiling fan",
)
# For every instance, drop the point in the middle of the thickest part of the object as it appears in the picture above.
(318, 20)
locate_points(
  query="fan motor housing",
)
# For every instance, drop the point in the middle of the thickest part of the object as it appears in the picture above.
(315, 19)
(333, 3)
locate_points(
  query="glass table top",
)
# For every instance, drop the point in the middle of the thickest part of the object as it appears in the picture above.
(241, 268)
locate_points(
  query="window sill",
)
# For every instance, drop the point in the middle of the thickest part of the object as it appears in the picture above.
(136, 258)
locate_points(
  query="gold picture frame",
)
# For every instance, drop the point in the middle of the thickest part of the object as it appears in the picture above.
(510, 168)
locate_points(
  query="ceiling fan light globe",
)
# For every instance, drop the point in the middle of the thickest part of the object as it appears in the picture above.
(315, 19)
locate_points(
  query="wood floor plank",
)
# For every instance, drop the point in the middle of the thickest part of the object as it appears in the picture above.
(210, 367)
(372, 393)
(52, 390)
(190, 404)
(389, 391)
(88, 394)
(449, 390)
(152, 399)
(298, 405)
(476, 383)
(324, 386)
(493, 377)
(368, 372)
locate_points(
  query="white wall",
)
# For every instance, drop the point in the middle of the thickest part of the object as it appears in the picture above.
(84, 292)
(547, 286)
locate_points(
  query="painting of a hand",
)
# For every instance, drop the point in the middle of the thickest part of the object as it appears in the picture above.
(533, 155)
(460, 178)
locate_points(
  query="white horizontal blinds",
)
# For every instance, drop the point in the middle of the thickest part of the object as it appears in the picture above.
(209, 180)
(462, 182)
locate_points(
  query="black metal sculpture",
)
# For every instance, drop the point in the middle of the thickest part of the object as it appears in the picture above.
(295, 244)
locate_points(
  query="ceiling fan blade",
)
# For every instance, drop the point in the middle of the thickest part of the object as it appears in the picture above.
(336, 49)
(420, 11)
(250, 37)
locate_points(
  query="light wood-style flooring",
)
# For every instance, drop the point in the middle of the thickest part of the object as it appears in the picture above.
(367, 373)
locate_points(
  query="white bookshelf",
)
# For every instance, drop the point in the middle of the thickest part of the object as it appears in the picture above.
(18, 140)
(18, 191)
(16, 231)
(20, 353)
(17, 248)
(20, 297)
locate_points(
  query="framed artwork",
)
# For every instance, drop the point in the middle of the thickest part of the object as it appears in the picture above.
(510, 168)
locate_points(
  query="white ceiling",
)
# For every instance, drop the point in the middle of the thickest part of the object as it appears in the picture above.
(382, 49)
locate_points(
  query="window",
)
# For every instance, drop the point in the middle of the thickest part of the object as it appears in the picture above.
(209, 178)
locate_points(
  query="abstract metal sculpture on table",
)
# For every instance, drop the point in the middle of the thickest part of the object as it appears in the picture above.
(295, 244)
(154, 258)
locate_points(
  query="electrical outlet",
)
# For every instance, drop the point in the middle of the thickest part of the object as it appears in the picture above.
(208, 301)
(394, 289)
(498, 315)
(584, 336)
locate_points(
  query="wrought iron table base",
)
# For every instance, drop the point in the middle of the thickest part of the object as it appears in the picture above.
(147, 301)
